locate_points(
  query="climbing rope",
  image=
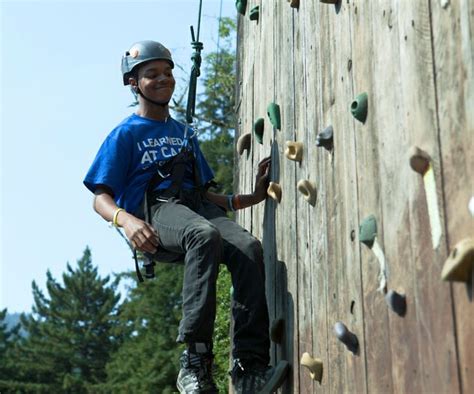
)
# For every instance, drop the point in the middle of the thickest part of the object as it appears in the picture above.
(195, 71)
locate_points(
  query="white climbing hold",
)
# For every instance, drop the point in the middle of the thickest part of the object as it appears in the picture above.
(294, 150)
(471, 206)
(274, 191)
(243, 143)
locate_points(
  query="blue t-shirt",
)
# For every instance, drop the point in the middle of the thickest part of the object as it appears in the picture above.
(126, 160)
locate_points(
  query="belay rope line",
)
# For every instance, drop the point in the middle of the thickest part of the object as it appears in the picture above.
(190, 116)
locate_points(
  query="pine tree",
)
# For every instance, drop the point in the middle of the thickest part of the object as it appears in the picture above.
(8, 339)
(70, 332)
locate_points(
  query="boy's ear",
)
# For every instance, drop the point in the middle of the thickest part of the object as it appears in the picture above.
(133, 83)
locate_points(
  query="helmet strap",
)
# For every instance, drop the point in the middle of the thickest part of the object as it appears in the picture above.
(138, 91)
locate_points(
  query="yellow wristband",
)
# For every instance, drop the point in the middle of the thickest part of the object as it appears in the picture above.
(114, 221)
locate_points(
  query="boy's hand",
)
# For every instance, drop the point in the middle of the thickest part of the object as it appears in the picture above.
(262, 180)
(141, 234)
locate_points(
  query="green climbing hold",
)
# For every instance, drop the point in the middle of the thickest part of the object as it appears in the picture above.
(254, 12)
(273, 111)
(368, 231)
(359, 107)
(258, 129)
(241, 6)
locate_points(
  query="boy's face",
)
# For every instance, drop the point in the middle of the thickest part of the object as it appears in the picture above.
(156, 81)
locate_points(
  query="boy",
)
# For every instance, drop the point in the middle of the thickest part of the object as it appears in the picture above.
(151, 178)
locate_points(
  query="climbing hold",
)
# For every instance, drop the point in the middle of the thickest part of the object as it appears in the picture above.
(276, 330)
(243, 143)
(273, 111)
(329, 1)
(325, 138)
(294, 3)
(315, 366)
(367, 235)
(258, 129)
(460, 262)
(419, 160)
(294, 150)
(359, 107)
(254, 12)
(308, 190)
(274, 191)
(346, 337)
(397, 302)
(471, 206)
(368, 231)
(241, 6)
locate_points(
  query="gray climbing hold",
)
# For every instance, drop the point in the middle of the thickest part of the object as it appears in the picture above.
(397, 302)
(346, 337)
(325, 138)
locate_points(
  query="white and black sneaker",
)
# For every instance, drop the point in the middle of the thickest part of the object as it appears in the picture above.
(253, 377)
(195, 375)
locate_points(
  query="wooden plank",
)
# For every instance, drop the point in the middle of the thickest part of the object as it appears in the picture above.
(376, 327)
(336, 74)
(286, 225)
(262, 35)
(394, 195)
(308, 222)
(435, 328)
(452, 29)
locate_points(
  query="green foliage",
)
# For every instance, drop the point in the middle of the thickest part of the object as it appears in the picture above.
(70, 332)
(148, 357)
(222, 330)
(216, 107)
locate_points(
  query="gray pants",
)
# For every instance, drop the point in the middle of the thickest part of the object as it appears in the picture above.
(200, 232)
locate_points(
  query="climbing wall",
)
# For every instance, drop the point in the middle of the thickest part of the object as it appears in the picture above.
(392, 188)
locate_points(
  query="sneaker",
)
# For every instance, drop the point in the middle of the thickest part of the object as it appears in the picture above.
(252, 377)
(195, 375)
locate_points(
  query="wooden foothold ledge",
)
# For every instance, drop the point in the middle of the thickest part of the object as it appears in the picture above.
(274, 191)
(308, 190)
(419, 160)
(243, 143)
(315, 366)
(294, 150)
(460, 262)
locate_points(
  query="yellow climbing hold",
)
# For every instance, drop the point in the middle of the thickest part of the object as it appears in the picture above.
(274, 191)
(294, 150)
(243, 143)
(308, 190)
(315, 366)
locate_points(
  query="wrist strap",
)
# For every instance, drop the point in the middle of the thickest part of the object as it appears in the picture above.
(230, 203)
(114, 221)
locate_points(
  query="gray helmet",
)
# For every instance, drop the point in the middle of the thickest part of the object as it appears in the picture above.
(141, 52)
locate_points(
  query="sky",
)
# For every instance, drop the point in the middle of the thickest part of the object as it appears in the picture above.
(61, 94)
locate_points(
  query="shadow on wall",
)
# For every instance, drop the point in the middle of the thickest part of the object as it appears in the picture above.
(280, 301)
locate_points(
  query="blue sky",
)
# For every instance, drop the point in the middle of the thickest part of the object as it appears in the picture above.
(61, 94)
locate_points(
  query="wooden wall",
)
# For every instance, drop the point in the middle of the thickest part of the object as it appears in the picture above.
(415, 61)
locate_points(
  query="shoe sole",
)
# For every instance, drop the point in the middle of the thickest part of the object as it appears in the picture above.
(277, 378)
